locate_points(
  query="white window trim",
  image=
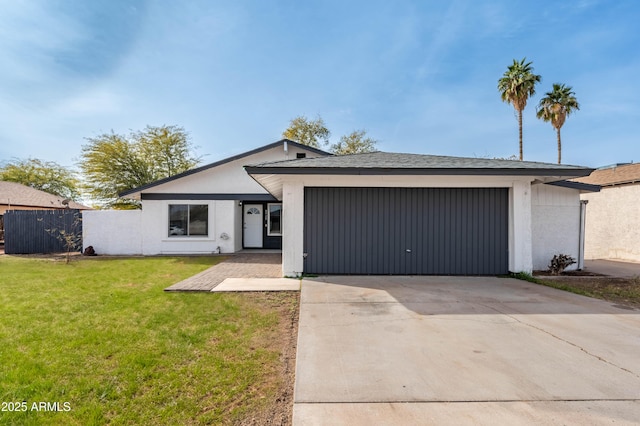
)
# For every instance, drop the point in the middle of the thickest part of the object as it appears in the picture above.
(269, 233)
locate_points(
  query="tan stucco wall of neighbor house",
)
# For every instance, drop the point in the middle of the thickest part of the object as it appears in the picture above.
(555, 224)
(613, 223)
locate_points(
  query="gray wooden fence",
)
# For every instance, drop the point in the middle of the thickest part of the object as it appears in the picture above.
(42, 231)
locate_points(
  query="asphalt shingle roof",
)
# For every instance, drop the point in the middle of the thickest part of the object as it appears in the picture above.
(15, 194)
(408, 162)
(618, 175)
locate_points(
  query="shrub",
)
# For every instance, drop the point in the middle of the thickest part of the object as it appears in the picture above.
(560, 262)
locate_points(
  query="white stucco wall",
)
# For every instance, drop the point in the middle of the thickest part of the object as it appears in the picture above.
(155, 220)
(613, 223)
(555, 224)
(238, 225)
(520, 231)
(146, 231)
(292, 228)
(520, 226)
(113, 232)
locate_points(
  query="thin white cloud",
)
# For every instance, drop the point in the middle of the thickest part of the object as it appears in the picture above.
(585, 4)
(96, 101)
(31, 33)
(447, 32)
(492, 19)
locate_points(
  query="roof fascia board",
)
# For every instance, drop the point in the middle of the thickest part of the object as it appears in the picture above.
(183, 196)
(587, 187)
(416, 171)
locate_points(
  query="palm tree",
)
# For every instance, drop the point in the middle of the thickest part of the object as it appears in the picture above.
(515, 86)
(554, 108)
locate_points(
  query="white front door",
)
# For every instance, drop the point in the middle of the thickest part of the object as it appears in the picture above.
(253, 225)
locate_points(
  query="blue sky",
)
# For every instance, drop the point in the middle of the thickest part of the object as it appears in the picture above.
(419, 76)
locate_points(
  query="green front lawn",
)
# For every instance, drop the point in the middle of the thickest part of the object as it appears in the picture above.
(100, 338)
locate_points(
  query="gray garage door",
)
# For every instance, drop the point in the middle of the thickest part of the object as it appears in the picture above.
(413, 231)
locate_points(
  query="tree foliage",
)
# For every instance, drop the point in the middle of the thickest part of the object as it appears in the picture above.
(555, 106)
(113, 163)
(312, 133)
(354, 143)
(517, 84)
(315, 133)
(46, 176)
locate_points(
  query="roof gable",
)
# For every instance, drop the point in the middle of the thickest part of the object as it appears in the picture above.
(189, 174)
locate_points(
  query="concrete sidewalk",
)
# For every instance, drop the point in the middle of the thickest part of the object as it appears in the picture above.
(258, 284)
(462, 350)
(239, 265)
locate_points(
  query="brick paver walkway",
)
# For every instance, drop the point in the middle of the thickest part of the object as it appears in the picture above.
(239, 265)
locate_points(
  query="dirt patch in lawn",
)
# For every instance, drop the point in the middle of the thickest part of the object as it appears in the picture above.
(279, 409)
(567, 274)
(623, 292)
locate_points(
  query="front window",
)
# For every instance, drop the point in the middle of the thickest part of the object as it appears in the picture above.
(274, 219)
(186, 220)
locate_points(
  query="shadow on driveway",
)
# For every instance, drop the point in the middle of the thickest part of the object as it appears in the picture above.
(448, 295)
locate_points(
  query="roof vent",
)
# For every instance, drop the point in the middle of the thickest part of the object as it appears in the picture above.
(301, 155)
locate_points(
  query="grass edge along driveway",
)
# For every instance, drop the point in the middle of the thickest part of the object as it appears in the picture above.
(98, 341)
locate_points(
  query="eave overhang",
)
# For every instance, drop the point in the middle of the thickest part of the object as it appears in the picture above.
(271, 178)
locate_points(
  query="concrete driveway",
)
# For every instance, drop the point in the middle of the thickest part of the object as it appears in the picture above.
(613, 268)
(462, 350)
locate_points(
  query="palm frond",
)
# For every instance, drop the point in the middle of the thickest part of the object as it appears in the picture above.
(518, 84)
(557, 104)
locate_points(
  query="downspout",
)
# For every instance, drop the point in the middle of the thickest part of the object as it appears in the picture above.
(583, 214)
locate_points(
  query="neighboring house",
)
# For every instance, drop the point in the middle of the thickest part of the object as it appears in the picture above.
(613, 219)
(15, 196)
(374, 213)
